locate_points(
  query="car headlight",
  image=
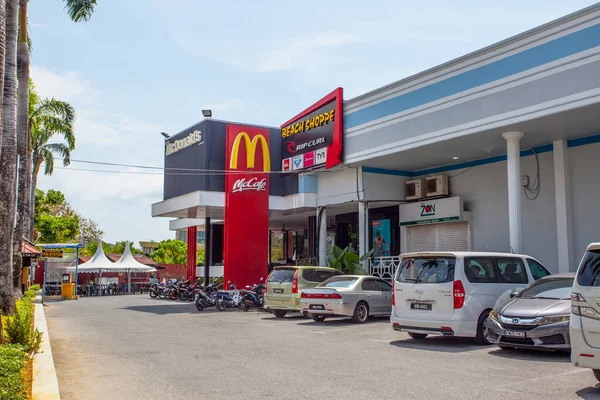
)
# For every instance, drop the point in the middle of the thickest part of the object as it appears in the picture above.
(494, 315)
(555, 319)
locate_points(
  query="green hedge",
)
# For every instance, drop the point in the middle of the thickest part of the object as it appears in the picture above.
(12, 360)
(18, 327)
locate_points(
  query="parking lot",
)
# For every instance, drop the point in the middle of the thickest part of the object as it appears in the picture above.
(134, 347)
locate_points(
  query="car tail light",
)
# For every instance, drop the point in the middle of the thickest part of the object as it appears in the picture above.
(394, 293)
(295, 283)
(305, 295)
(459, 295)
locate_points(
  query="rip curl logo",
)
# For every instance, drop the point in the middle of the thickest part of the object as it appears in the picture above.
(427, 210)
(244, 184)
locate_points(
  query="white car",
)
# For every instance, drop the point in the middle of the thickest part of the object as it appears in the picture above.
(585, 312)
(452, 293)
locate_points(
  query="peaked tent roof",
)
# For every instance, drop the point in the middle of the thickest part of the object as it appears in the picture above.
(98, 262)
(128, 262)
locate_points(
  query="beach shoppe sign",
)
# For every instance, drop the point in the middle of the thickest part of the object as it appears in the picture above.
(246, 235)
(431, 211)
(313, 138)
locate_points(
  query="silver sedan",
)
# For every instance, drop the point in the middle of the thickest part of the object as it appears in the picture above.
(354, 296)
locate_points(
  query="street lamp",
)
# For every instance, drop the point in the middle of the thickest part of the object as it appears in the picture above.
(207, 113)
(166, 135)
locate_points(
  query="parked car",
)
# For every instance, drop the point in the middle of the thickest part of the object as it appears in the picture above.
(354, 296)
(536, 317)
(452, 293)
(285, 285)
(585, 312)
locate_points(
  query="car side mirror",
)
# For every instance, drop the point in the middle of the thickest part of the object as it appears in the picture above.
(514, 294)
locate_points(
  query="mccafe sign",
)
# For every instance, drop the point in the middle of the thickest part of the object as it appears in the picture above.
(178, 145)
(249, 184)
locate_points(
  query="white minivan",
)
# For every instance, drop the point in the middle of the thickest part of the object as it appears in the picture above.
(452, 293)
(585, 312)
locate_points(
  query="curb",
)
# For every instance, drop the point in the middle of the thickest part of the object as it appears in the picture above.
(45, 382)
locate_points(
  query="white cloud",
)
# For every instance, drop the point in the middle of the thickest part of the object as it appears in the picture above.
(67, 86)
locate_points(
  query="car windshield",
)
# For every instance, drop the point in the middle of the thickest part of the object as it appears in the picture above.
(555, 288)
(339, 282)
(282, 275)
(427, 270)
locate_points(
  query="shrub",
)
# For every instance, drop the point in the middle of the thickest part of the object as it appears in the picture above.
(12, 360)
(19, 327)
(35, 287)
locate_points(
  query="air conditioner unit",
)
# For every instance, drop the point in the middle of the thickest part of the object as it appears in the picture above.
(437, 185)
(414, 189)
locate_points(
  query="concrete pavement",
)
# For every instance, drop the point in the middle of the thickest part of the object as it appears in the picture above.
(134, 347)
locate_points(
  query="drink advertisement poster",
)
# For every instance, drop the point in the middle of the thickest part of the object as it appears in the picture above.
(381, 238)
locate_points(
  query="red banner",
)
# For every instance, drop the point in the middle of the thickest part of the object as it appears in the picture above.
(246, 242)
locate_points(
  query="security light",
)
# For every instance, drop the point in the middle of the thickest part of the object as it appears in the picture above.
(207, 113)
(166, 135)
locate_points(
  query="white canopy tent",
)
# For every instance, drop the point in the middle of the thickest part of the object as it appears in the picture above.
(128, 263)
(99, 263)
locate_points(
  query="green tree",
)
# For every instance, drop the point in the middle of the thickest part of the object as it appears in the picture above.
(117, 248)
(170, 251)
(49, 118)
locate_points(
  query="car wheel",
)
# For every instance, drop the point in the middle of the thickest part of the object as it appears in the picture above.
(596, 374)
(361, 313)
(279, 313)
(318, 318)
(481, 337)
(417, 336)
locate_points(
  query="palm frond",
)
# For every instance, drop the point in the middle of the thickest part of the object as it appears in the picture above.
(80, 10)
(52, 106)
(49, 161)
(60, 149)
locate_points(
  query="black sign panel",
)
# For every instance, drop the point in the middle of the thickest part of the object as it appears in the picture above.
(313, 138)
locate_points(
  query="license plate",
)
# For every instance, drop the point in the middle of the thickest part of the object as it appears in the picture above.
(518, 334)
(316, 307)
(277, 290)
(420, 306)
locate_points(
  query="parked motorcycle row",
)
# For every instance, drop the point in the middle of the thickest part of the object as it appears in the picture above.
(252, 297)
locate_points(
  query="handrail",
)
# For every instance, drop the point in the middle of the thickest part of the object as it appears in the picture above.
(384, 267)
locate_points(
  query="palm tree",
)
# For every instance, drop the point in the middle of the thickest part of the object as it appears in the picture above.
(8, 156)
(49, 118)
(78, 10)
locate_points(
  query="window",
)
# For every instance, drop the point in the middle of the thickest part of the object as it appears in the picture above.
(589, 272)
(482, 270)
(551, 288)
(384, 286)
(426, 270)
(512, 270)
(370, 285)
(282, 275)
(318, 275)
(339, 282)
(537, 270)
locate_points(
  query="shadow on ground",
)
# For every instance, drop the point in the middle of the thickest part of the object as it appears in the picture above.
(532, 355)
(160, 309)
(589, 393)
(339, 322)
(439, 344)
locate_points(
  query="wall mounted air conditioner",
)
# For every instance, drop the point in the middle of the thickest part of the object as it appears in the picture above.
(414, 189)
(437, 185)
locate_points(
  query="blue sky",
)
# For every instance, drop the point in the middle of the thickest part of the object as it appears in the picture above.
(140, 67)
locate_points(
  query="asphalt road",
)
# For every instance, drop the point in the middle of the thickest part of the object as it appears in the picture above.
(135, 347)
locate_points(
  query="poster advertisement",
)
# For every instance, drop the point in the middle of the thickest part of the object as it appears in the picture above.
(381, 238)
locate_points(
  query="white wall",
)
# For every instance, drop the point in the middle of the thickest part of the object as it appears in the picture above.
(383, 187)
(585, 197)
(336, 187)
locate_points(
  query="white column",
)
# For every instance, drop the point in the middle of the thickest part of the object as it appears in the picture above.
(322, 261)
(562, 190)
(513, 149)
(363, 231)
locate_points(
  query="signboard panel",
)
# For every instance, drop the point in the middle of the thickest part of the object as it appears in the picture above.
(246, 235)
(431, 211)
(52, 253)
(313, 138)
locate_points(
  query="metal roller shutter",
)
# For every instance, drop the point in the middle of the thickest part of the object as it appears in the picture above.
(453, 236)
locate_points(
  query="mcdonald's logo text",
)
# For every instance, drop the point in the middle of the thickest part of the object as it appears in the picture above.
(251, 184)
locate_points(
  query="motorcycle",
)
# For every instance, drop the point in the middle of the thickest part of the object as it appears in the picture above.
(189, 293)
(254, 296)
(229, 299)
(157, 290)
(207, 297)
